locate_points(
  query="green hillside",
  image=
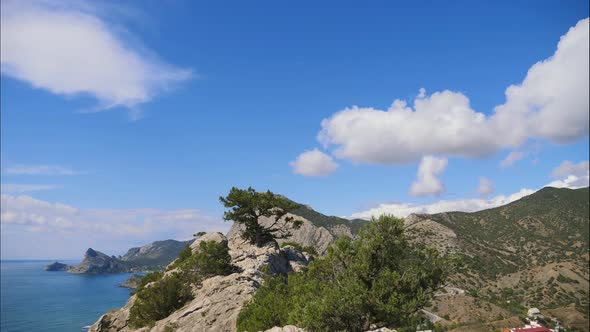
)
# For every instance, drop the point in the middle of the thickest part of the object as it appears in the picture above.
(547, 226)
(322, 220)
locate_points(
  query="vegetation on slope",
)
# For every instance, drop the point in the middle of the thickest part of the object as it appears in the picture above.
(538, 229)
(321, 220)
(377, 279)
(508, 250)
(158, 295)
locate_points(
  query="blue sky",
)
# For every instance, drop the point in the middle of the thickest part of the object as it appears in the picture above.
(130, 114)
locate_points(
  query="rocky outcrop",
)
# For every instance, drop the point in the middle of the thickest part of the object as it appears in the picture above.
(308, 234)
(422, 230)
(132, 282)
(98, 262)
(57, 266)
(288, 328)
(115, 320)
(296, 258)
(217, 300)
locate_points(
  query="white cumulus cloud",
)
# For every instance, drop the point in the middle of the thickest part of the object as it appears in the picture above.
(66, 48)
(570, 175)
(314, 163)
(550, 103)
(427, 182)
(403, 210)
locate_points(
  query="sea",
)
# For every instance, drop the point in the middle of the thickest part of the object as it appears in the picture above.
(32, 299)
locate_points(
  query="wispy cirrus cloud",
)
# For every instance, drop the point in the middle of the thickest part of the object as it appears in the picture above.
(14, 188)
(40, 170)
(69, 48)
(512, 158)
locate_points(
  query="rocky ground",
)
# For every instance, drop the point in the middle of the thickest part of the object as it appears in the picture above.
(218, 300)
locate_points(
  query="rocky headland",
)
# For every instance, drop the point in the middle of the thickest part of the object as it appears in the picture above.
(57, 266)
(218, 300)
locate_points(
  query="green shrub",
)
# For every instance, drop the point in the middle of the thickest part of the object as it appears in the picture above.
(182, 257)
(377, 279)
(211, 259)
(270, 307)
(167, 294)
(150, 277)
(158, 301)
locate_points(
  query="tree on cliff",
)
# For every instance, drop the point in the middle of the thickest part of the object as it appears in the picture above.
(377, 279)
(246, 206)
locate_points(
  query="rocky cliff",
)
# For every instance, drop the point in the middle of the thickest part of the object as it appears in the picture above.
(98, 262)
(217, 300)
(153, 256)
(132, 282)
(156, 255)
(57, 266)
(317, 230)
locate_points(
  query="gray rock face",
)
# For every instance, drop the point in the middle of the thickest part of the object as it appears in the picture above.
(98, 262)
(132, 282)
(154, 256)
(307, 235)
(296, 258)
(218, 300)
(288, 328)
(217, 237)
(115, 320)
(57, 266)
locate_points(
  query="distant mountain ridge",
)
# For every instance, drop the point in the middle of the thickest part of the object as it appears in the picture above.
(153, 256)
(533, 252)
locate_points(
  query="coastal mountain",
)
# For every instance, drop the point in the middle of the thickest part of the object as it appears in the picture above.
(530, 253)
(153, 256)
(218, 300)
(98, 262)
(57, 266)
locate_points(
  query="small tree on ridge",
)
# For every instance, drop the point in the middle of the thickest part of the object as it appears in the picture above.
(246, 206)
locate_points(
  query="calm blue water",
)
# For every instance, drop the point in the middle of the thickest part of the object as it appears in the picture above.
(36, 300)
